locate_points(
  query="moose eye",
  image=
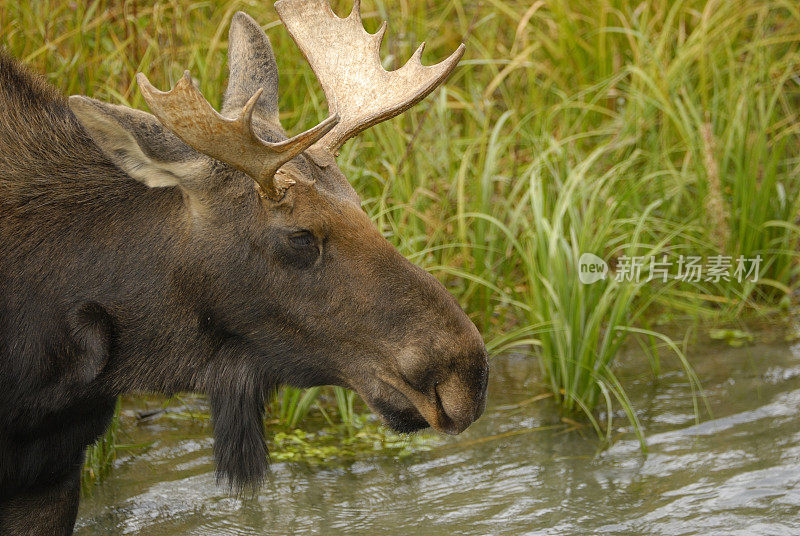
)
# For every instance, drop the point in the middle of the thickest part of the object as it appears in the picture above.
(301, 239)
(301, 249)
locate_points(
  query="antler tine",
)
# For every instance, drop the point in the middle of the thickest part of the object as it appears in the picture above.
(346, 60)
(185, 112)
(355, 13)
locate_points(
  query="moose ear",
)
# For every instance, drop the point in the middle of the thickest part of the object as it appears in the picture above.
(138, 144)
(252, 67)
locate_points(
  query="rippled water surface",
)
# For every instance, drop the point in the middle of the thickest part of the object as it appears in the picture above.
(737, 472)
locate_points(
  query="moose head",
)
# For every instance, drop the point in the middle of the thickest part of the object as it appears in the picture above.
(285, 278)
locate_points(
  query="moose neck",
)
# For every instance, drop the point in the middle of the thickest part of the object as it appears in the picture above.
(123, 244)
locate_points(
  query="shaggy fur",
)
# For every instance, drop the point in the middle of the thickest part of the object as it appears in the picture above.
(109, 286)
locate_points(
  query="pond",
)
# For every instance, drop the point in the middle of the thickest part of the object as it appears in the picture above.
(518, 470)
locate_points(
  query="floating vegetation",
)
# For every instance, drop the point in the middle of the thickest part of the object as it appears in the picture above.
(336, 443)
(734, 337)
(326, 437)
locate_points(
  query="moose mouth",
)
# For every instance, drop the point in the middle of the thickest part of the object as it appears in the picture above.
(406, 410)
(402, 420)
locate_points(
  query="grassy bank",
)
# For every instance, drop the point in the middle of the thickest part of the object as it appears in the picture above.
(620, 128)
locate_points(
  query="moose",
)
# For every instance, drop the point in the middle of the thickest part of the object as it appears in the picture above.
(205, 251)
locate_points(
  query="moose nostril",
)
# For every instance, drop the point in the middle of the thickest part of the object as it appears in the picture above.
(461, 398)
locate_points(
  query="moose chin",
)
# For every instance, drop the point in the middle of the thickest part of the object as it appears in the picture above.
(193, 250)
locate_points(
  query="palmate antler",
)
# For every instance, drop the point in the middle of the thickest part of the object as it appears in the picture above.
(346, 60)
(188, 114)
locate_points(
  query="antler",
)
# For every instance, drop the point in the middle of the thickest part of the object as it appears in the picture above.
(346, 60)
(188, 114)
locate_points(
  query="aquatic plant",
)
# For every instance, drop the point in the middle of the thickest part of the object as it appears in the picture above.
(291, 405)
(586, 320)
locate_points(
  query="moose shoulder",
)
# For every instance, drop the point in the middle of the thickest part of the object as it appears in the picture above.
(191, 250)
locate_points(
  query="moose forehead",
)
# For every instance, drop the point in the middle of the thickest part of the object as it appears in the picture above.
(319, 168)
(311, 205)
(322, 195)
(322, 198)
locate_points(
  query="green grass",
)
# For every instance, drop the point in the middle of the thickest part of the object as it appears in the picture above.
(291, 405)
(583, 326)
(618, 127)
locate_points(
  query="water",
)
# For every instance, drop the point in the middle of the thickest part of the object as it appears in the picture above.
(735, 473)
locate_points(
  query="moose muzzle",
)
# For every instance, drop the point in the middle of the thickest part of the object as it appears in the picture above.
(451, 404)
